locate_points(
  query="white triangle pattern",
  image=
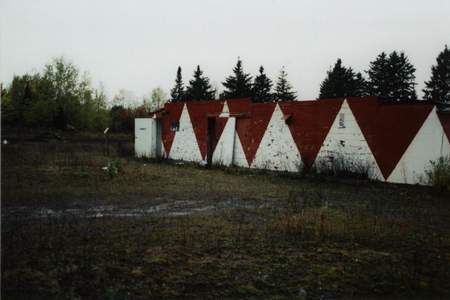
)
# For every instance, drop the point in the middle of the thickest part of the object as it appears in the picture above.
(239, 158)
(346, 148)
(223, 153)
(277, 150)
(428, 145)
(185, 146)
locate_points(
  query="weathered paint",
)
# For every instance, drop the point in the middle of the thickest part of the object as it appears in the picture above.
(240, 106)
(223, 152)
(428, 145)
(395, 141)
(239, 158)
(277, 150)
(185, 146)
(346, 148)
(199, 111)
(172, 113)
(251, 129)
(309, 123)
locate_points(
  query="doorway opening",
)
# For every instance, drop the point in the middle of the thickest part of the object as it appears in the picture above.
(210, 140)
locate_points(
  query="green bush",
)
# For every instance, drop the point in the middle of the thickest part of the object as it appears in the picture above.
(114, 167)
(439, 174)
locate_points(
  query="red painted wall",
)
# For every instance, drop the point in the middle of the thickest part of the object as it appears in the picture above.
(389, 128)
(310, 123)
(445, 121)
(172, 113)
(252, 127)
(199, 112)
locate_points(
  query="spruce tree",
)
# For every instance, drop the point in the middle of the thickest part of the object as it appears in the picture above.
(262, 86)
(342, 82)
(402, 78)
(177, 93)
(359, 86)
(378, 82)
(392, 77)
(238, 85)
(283, 89)
(199, 88)
(438, 88)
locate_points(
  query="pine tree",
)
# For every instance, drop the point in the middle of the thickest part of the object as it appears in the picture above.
(392, 77)
(199, 88)
(283, 90)
(378, 73)
(238, 85)
(342, 82)
(360, 86)
(402, 78)
(262, 86)
(438, 88)
(177, 93)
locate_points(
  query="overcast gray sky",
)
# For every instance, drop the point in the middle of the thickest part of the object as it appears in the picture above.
(137, 45)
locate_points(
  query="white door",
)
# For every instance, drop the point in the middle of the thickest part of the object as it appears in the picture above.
(145, 137)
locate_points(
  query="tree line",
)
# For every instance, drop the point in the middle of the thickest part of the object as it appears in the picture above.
(237, 85)
(389, 77)
(61, 97)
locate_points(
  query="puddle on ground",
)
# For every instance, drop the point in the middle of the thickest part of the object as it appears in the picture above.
(174, 209)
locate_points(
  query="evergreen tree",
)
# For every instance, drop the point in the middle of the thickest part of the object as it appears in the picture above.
(342, 82)
(392, 77)
(199, 88)
(177, 93)
(283, 89)
(262, 86)
(438, 88)
(238, 85)
(359, 86)
(378, 83)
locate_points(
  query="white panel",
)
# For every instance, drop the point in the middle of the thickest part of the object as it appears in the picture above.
(223, 154)
(346, 147)
(429, 144)
(145, 137)
(277, 150)
(239, 158)
(185, 146)
(225, 111)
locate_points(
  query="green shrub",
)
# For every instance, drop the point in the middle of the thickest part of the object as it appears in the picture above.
(114, 167)
(439, 174)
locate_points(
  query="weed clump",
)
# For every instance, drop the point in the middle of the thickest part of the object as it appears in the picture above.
(343, 167)
(439, 174)
(114, 167)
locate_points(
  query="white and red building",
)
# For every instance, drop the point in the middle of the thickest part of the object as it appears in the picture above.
(393, 142)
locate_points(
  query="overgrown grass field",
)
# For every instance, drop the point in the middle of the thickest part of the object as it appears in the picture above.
(164, 230)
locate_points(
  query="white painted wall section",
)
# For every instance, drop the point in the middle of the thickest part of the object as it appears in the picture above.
(239, 158)
(429, 144)
(185, 146)
(223, 154)
(345, 146)
(225, 111)
(146, 137)
(277, 150)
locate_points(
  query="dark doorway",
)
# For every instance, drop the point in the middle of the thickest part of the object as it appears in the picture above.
(210, 140)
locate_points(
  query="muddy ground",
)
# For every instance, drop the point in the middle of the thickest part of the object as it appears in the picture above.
(167, 230)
